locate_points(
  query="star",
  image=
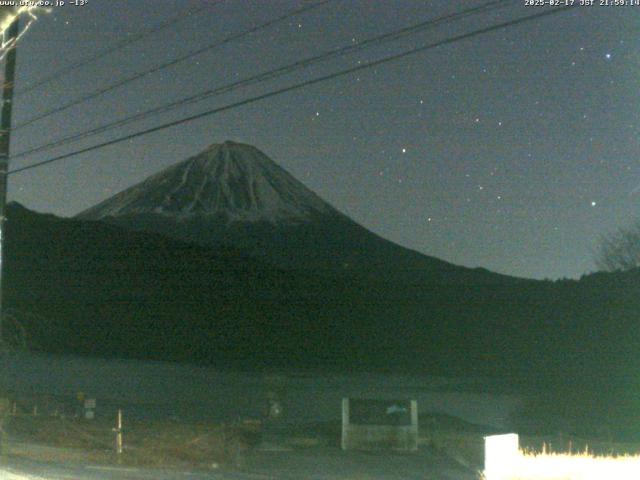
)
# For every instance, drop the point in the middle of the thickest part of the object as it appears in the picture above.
(404, 150)
(607, 56)
(593, 204)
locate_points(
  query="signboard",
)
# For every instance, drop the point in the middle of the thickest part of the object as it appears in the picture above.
(89, 408)
(372, 424)
(501, 454)
(380, 412)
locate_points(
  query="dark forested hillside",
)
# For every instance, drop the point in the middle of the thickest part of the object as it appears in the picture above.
(101, 290)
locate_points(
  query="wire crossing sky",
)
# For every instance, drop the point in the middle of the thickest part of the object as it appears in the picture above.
(290, 88)
(171, 63)
(514, 150)
(167, 23)
(286, 69)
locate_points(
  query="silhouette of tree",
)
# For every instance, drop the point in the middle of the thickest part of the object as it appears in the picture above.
(619, 250)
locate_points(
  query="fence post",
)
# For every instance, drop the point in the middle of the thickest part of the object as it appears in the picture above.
(4, 413)
(118, 431)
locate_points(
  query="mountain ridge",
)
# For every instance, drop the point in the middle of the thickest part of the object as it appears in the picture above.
(108, 291)
(232, 194)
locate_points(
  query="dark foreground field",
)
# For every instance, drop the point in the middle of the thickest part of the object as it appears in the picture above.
(54, 448)
(64, 448)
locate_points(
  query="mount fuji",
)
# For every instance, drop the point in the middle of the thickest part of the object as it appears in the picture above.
(232, 194)
(227, 183)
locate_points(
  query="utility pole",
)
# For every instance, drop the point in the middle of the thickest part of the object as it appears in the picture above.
(5, 134)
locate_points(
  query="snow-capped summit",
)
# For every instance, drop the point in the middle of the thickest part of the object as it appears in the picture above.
(230, 181)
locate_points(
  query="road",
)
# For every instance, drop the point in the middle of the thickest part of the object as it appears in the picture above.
(296, 464)
(23, 469)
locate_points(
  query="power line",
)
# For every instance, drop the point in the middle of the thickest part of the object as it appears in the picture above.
(271, 74)
(170, 22)
(298, 86)
(170, 63)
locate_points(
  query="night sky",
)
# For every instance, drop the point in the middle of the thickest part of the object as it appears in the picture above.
(514, 150)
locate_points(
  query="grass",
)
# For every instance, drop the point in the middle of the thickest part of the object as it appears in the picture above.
(157, 444)
(576, 462)
(557, 457)
(566, 466)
